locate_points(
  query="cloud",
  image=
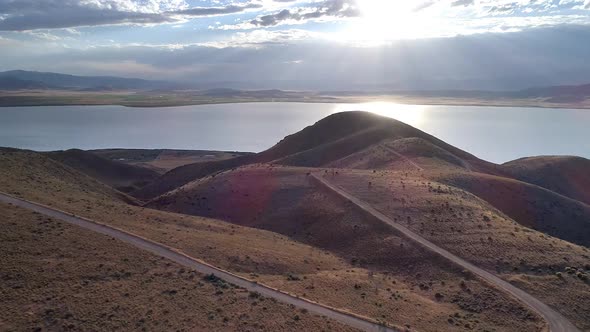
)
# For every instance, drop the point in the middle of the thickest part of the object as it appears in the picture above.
(297, 61)
(464, 3)
(210, 11)
(24, 15)
(325, 9)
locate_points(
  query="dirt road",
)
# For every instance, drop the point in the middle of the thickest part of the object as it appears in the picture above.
(199, 266)
(556, 322)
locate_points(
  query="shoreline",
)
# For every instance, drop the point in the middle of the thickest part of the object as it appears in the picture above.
(355, 100)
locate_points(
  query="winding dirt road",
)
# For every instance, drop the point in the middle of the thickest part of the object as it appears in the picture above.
(197, 265)
(555, 321)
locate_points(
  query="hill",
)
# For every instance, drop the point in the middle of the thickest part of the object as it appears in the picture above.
(12, 83)
(328, 140)
(566, 175)
(163, 160)
(120, 176)
(472, 208)
(24, 173)
(90, 282)
(400, 295)
(532, 206)
(270, 216)
(63, 81)
(557, 94)
(285, 200)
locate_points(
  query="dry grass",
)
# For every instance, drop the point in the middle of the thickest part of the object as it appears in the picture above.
(327, 276)
(55, 276)
(399, 154)
(168, 160)
(566, 175)
(529, 205)
(283, 200)
(474, 230)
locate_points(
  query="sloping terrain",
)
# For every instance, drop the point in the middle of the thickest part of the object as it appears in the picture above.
(425, 296)
(474, 230)
(60, 277)
(164, 160)
(530, 205)
(120, 176)
(328, 140)
(404, 153)
(26, 173)
(470, 207)
(285, 200)
(265, 216)
(569, 176)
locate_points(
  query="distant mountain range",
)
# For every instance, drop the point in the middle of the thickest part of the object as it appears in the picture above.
(31, 80)
(21, 79)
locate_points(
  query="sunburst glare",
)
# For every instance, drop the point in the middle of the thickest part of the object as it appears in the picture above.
(383, 21)
(410, 114)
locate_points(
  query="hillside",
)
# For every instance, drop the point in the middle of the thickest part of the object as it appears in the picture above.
(90, 282)
(472, 208)
(120, 176)
(24, 173)
(163, 160)
(530, 205)
(332, 275)
(285, 200)
(328, 140)
(64, 81)
(557, 94)
(271, 217)
(12, 83)
(566, 175)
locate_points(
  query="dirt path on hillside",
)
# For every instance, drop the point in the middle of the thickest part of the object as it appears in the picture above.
(555, 321)
(199, 266)
(418, 167)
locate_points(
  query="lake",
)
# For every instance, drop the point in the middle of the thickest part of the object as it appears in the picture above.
(497, 134)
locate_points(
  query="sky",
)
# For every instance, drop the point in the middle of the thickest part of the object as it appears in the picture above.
(305, 44)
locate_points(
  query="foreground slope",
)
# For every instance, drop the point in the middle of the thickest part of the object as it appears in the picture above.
(60, 277)
(424, 295)
(117, 175)
(474, 230)
(284, 200)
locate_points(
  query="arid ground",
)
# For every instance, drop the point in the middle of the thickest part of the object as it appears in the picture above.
(272, 217)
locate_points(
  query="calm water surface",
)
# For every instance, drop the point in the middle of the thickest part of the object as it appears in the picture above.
(497, 134)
